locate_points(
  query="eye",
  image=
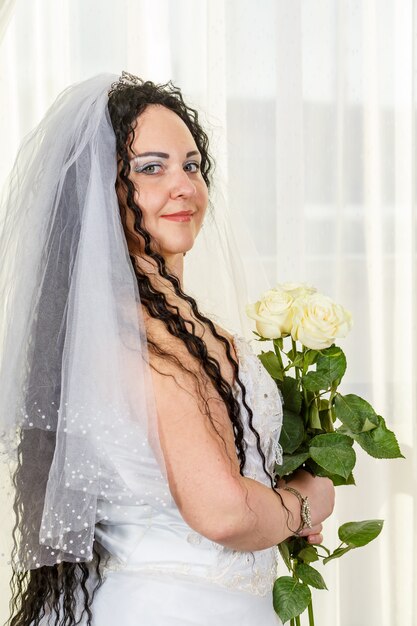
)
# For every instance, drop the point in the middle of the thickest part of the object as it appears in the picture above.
(192, 167)
(150, 168)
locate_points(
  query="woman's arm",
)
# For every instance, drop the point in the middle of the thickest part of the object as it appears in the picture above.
(203, 469)
(263, 520)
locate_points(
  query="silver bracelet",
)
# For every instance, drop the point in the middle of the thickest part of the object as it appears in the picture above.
(305, 512)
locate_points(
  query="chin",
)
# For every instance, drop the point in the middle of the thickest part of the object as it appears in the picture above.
(179, 248)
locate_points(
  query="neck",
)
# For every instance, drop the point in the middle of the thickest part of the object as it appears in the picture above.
(174, 264)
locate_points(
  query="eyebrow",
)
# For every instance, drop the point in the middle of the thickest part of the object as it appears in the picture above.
(164, 155)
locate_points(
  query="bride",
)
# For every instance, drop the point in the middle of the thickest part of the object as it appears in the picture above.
(147, 433)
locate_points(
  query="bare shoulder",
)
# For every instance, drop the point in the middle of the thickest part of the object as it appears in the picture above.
(160, 337)
(177, 373)
(224, 332)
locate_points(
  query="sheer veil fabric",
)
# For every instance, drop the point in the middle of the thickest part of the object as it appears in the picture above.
(74, 365)
(223, 271)
(76, 389)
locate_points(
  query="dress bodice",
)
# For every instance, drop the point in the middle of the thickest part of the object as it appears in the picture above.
(141, 539)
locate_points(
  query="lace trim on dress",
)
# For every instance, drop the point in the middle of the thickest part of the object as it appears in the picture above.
(265, 400)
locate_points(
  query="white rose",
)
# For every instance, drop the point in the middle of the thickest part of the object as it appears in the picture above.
(272, 313)
(297, 290)
(317, 321)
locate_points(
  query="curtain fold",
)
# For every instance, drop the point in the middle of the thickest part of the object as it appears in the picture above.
(6, 12)
(311, 107)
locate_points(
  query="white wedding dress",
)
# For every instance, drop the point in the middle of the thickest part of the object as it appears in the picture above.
(162, 573)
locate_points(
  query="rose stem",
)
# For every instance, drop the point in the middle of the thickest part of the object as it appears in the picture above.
(310, 613)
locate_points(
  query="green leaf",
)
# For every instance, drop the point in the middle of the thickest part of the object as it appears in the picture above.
(285, 553)
(295, 544)
(291, 395)
(298, 361)
(278, 344)
(358, 534)
(335, 478)
(336, 554)
(310, 357)
(271, 364)
(337, 361)
(334, 453)
(294, 357)
(332, 439)
(326, 420)
(314, 417)
(290, 597)
(355, 413)
(339, 481)
(292, 433)
(291, 462)
(323, 404)
(368, 425)
(308, 554)
(380, 442)
(331, 366)
(310, 576)
(314, 381)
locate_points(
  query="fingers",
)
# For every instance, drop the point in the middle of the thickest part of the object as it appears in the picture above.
(313, 535)
(314, 530)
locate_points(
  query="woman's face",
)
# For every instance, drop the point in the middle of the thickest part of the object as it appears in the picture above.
(170, 189)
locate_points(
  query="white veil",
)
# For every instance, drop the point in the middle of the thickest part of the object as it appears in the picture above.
(76, 388)
(74, 367)
(224, 271)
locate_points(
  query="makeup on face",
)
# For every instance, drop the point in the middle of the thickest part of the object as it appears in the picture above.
(170, 189)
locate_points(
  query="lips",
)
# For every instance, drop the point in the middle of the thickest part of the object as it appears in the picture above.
(181, 216)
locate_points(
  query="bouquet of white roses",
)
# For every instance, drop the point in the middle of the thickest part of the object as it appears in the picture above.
(320, 425)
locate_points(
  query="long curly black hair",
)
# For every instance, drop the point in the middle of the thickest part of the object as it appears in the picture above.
(57, 590)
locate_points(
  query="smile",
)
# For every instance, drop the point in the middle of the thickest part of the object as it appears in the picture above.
(184, 216)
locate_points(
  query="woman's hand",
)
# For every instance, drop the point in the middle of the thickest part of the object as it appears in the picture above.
(313, 535)
(321, 494)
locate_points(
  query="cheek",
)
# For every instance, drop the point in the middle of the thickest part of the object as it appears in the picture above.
(202, 194)
(151, 199)
(147, 203)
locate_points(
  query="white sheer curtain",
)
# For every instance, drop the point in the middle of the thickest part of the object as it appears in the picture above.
(312, 110)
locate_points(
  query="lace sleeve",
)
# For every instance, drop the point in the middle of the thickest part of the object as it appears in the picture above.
(265, 400)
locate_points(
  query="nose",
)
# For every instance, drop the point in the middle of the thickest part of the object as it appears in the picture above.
(181, 185)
